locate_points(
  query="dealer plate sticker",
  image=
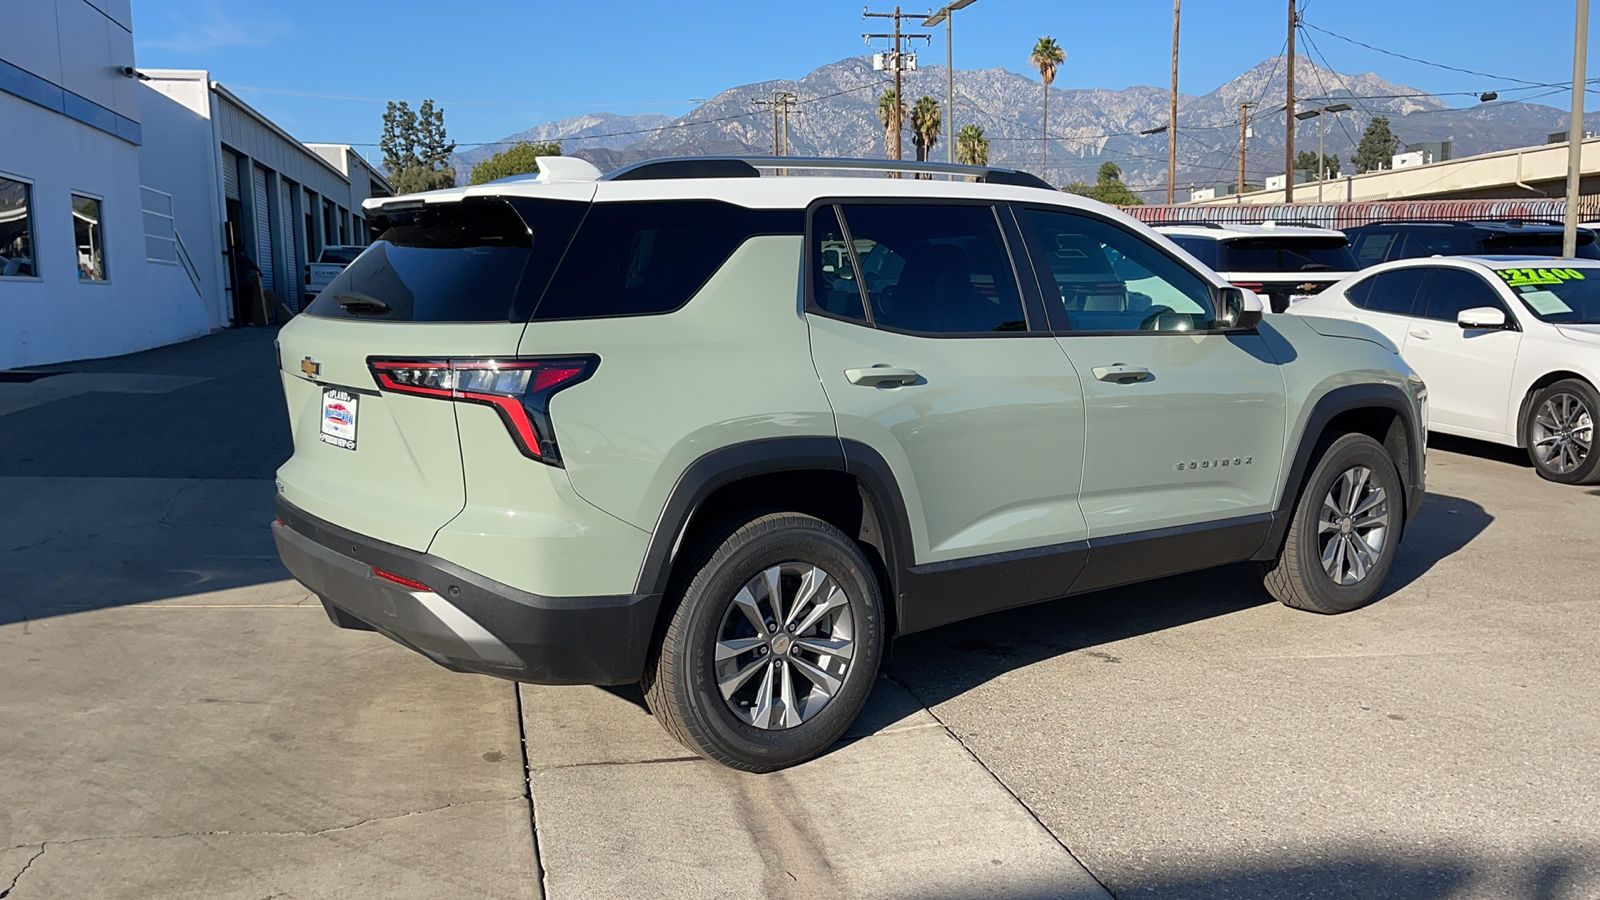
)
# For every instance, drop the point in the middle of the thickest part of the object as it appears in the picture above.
(339, 418)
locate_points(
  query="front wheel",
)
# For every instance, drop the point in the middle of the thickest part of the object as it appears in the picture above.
(1559, 433)
(1346, 527)
(773, 646)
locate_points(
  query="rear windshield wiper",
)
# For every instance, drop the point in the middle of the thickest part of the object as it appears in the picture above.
(1316, 267)
(361, 304)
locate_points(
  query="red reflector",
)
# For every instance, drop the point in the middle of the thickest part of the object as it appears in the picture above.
(390, 576)
(1248, 285)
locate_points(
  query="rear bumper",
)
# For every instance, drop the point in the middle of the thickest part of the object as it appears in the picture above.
(464, 621)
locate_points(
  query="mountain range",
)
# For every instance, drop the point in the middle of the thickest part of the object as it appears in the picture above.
(836, 116)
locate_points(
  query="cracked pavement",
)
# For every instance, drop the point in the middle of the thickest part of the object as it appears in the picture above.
(178, 718)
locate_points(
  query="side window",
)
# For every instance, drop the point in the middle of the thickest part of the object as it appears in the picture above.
(1457, 289)
(1108, 279)
(1203, 249)
(1396, 292)
(1372, 247)
(935, 269)
(650, 257)
(16, 229)
(834, 288)
(1359, 292)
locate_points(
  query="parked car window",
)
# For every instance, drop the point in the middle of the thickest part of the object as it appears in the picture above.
(935, 269)
(1557, 296)
(1203, 249)
(452, 262)
(1438, 242)
(1457, 289)
(834, 288)
(1108, 279)
(1372, 247)
(340, 255)
(1287, 254)
(651, 257)
(16, 229)
(89, 237)
(1395, 292)
(1538, 243)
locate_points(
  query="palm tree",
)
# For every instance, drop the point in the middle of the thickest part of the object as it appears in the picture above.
(972, 148)
(1047, 54)
(925, 124)
(892, 113)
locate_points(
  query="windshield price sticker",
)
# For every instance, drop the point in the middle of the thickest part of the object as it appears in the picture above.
(339, 418)
(1519, 277)
(1544, 303)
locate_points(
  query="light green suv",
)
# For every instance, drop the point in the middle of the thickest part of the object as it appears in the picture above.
(726, 434)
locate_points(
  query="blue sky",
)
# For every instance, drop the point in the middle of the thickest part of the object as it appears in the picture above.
(322, 69)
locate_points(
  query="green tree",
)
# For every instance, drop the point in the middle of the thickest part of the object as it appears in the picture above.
(972, 148)
(1306, 161)
(521, 158)
(416, 151)
(925, 124)
(892, 113)
(1377, 147)
(1107, 187)
(1046, 56)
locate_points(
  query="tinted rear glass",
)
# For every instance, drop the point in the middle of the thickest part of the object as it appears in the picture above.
(1394, 292)
(341, 255)
(1286, 254)
(453, 262)
(1203, 249)
(1538, 244)
(649, 257)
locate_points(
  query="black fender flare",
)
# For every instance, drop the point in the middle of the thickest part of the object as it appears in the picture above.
(1341, 400)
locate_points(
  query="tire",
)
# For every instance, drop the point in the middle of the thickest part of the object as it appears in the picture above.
(1328, 563)
(725, 589)
(1559, 432)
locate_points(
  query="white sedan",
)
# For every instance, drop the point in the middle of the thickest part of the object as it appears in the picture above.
(1509, 347)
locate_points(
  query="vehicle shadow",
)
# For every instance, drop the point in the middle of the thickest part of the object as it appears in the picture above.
(967, 654)
(1484, 449)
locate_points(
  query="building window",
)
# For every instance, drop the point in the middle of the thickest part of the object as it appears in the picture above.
(16, 229)
(87, 233)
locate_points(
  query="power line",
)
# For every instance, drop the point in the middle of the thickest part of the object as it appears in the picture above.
(1414, 59)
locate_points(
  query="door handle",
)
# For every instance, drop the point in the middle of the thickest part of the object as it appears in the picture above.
(1120, 373)
(1421, 334)
(880, 375)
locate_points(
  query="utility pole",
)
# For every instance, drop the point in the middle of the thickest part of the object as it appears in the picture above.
(1288, 153)
(1172, 119)
(780, 104)
(896, 62)
(1244, 132)
(1580, 52)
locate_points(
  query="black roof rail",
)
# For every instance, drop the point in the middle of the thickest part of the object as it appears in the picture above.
(1176, 224)
(748, 166)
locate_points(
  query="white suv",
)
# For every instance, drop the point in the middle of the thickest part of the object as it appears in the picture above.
(1284, 261)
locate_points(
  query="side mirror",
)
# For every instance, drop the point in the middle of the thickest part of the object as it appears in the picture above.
(1241, 309)
(1482, 318)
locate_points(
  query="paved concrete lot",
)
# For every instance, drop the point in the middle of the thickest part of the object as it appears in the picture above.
(177, 719)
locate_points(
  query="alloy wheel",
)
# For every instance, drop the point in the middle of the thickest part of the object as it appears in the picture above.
(1563, 433)
(1352, 526)
(784, 646)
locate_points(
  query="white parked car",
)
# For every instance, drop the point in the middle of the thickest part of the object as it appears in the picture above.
(1284, 262)
(1509, 347)
(329, 264)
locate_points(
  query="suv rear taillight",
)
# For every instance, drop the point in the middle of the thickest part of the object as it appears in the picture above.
(519, 389)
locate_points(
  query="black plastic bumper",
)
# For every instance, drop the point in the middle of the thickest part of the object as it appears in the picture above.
(464, 621)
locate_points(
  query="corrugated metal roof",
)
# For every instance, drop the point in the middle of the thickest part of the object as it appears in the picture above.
(1347, 215)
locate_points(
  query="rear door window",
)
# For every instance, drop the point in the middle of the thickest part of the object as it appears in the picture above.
(935, 269)
(452, 262)
(1372, 247)
(640, 258)
(1394, 292)
(1287, 254)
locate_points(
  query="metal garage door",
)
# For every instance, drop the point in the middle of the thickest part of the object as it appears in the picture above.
(230, 175)
(263, 229)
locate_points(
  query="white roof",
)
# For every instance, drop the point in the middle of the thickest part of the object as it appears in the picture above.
(1230, 231)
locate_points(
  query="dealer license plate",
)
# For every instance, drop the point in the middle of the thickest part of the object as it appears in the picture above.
(339, 418)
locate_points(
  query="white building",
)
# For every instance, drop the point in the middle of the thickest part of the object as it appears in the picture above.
(128, 199)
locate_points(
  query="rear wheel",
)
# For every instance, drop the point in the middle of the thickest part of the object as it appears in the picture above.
(1346, 527)
(773, 647)
(1559, 432)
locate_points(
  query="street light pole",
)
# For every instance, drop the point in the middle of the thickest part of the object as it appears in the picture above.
(946, 14)
(1172, 117)
(1580, 52)
(1321, 114)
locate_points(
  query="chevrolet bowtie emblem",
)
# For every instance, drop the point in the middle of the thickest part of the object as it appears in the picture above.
(311, 367)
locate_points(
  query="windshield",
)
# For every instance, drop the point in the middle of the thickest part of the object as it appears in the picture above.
(1557, 296)
(1286, 254)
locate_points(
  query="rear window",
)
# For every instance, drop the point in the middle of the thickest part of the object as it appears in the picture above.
(1546, 243)
(650, 257)
(341, 255)
(473, 261)
(1286, 254)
